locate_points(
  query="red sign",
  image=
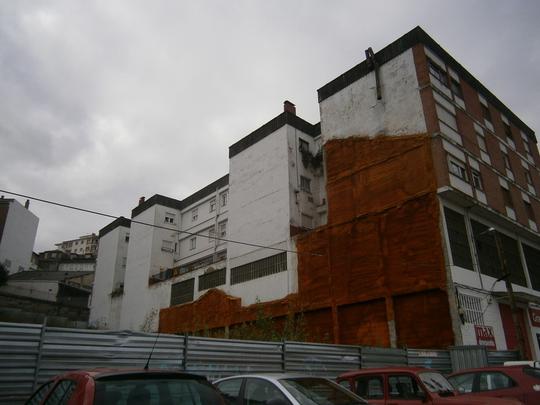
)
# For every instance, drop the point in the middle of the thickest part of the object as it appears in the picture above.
(485, 336)
(535, 316)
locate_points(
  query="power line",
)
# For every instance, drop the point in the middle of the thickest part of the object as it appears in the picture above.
(72, 207)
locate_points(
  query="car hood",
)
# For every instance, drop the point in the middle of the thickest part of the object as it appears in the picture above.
(466, 399)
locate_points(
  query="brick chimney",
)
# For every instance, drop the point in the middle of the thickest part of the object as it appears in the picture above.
(141, 200)
(289, 107)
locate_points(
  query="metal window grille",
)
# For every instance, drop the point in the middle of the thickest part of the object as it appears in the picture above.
(472, 307)
(182, 292)
(211, 280)
(260, 268)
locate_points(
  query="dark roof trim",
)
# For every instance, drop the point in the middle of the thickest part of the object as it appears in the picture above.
(158, 199)
(413, 37)
(285, 118)
(206, 191)
(121, 221)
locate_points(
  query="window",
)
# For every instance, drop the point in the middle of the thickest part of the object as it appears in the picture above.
(457, 168)
(61, 394)
(532, 258)
(526, 145)
(194, 214)
(169, 218)
(404, 387)
(182, 292)
(40, 394)
(303, 146)
(476, 179)
(507, 197)
(463, 382)
(193, 243)
(494, 380)
(472, 308)
(456, 88)
(508, 132)
(481, 142)
(370, 387)
(212, 279)
(258, 392)
(211, 235)
(167, 246)
(305, 184)
(528, 177)
(529, 210)
(126, 238)
(486, 114)
(506, 160)
(222, 229)
(230, 389)
(223, 199)
(212, 205)
(486, 250)
(438, 72)
(457, 236)
(260, 268)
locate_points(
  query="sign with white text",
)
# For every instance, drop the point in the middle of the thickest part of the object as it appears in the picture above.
(485, 336)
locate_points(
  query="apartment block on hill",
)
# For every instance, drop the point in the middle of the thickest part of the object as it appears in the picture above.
(397, 219)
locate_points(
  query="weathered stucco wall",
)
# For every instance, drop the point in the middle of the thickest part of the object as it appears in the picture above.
(375, 274)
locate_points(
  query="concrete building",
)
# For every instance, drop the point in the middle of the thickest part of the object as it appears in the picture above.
(395, 204)
(57, 260)
(86, 244)
(18, 228)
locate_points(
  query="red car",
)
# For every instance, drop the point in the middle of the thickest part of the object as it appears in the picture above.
(518, 381)
(410, 385)
(133, 387)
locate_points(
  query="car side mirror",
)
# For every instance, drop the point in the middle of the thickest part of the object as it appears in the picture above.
(277, 401)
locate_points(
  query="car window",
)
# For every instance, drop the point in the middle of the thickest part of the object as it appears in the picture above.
(40, 394)
(155, 391)
(230, 389)
(319, 391)
(258, 391)
(404, 387)
(61, 393)
(464, 383)
(494, 380)
(370, 387)
(532, 371)
(345, 384)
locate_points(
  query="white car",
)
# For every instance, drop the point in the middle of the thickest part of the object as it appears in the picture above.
(284, 389)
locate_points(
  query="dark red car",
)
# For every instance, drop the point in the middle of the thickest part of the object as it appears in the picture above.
(133, 387)
(410, 386)
(518, 381)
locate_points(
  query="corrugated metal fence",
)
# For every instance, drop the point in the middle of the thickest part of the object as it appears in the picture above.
(31, 354)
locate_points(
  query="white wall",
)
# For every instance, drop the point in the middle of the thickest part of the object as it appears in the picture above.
(109, 272)
(355, 110)
(17, 239)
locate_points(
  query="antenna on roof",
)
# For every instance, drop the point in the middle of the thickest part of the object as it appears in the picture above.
(151, 352)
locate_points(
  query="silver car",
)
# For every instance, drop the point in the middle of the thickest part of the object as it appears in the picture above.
(284, 389)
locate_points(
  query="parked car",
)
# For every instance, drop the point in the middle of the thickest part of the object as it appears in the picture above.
(516, 381)
(284, 389)
(133, 387)
(410, 385)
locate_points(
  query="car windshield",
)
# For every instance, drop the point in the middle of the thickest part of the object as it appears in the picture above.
(319, 391)
(155, 391)
(436, 382)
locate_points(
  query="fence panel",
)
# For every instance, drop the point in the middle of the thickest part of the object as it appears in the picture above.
(496, 358)
(464, 357)
(216, 358)
(436, 359)
(383, 357)
(320, 359)
(19, 350)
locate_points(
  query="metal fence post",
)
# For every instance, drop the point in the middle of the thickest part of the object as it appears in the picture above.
(283, 356)
(186, 342)
(38, 358)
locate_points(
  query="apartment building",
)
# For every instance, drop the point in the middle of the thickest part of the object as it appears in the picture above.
(18, 228)
(397, 206)
(86, 244)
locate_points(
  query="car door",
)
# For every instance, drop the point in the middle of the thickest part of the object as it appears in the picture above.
(371, 388)
(497, 384)
(404, 389)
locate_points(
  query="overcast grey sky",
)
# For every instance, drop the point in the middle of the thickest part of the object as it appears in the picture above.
(102, 102)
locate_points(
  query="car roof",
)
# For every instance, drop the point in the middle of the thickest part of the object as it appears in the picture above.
(490, 368)
(271, 376)
(116, 373)
(380, 370)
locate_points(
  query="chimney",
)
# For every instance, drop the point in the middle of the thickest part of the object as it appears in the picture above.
(141, 200)
(27, 204)
(289, 107)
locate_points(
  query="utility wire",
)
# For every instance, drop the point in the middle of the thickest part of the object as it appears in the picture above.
(72, 207)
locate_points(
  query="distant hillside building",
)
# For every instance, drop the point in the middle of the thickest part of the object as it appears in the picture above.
(382, 225)
(86, 244)
(18, 228)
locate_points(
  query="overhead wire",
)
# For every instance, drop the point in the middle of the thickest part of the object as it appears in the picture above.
(72, 207)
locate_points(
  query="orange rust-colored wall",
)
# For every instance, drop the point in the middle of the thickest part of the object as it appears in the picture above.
(379, 271)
